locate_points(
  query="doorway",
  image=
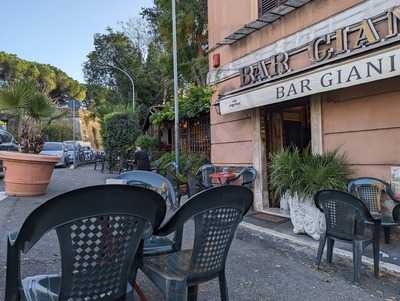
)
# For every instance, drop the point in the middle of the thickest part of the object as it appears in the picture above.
(287, 125)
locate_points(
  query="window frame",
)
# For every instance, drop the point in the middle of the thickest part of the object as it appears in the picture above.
(260, 6)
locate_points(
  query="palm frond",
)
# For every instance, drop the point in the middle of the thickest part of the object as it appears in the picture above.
(39, 106)
(13, 97)
(24, 98)
(304, 173)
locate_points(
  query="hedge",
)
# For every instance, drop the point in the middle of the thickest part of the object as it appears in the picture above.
(119, 132)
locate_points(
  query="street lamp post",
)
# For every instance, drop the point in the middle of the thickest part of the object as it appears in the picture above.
(176, 100)
(126, 73)
(74, 164)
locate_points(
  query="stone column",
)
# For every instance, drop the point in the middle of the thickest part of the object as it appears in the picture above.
(261, 200)
(316, 124)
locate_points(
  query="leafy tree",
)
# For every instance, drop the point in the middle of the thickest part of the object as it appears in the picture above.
(103, 100)
(51, 80)
(109, 86)
(147, 143)
(58, 132)
(192, 36)
(142, 47)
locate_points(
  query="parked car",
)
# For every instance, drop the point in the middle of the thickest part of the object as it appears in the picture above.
(88, 153)
(72, 150)
(58, 149)
(7, 143)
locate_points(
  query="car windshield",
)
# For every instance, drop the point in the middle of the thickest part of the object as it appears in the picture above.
(70, 147)
(49, 146)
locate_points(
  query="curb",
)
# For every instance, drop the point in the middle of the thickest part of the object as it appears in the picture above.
(389, 268)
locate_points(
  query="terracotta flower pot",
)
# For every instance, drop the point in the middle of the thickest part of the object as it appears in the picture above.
(27, 174)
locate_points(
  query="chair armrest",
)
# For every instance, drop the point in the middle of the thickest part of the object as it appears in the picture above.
(13, 277)
(396, 213)
(394, 198)
(172, 227)
(12, 237)
(168, 227)
(233, 179)
(391, 194)
(178, 239)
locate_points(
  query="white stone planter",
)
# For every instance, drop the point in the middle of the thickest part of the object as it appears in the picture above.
(305, 216)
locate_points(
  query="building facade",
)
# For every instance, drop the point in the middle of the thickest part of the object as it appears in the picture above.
(323, 73)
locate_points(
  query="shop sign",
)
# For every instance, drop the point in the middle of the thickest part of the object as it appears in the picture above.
(326, 48)
(380, 65)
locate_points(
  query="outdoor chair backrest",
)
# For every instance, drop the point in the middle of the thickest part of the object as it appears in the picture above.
(153, 181)
(345, 215)
(396, 213)
(99, 229)
(370, 190)
(204, 172)
(248, 175)
(216, 212)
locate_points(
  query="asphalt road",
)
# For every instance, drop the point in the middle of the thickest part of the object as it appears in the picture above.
(259, 267)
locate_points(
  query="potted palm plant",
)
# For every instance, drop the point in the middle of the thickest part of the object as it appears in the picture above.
(295, 178)
(27, 173)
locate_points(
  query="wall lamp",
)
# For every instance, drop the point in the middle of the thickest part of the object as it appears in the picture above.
(217, 107)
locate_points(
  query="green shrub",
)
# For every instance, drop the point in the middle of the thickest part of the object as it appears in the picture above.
(304, 173)
(189, 164)
(147, 143)
(119, 132)
(58, 132)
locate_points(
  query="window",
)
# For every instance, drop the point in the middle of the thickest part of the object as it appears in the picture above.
(52, 146)
(69, 146)
(5, 137)
(273, 9)
(266, 5)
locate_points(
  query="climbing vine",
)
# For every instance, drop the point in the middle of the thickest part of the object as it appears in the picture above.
(193, 101)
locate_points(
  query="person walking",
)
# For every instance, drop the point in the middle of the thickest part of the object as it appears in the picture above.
(141, 159)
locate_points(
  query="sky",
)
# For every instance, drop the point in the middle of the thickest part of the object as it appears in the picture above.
(60, 32)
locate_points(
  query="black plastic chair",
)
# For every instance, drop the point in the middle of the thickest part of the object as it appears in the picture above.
(370, 191)
(194, 185)
(204, 172)
(154, 181)
(156, 245)
(170, 174)
(248, 176)
(216, 212)
(349, 220)
(396, 213)
(99, 230)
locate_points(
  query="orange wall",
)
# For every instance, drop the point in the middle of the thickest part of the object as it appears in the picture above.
(364, 123)
(226, 16)
(231, 135)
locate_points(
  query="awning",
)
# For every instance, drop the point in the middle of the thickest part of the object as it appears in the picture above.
(363, 69)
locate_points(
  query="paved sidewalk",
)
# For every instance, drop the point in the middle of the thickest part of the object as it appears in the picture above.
(259, 267)
(390, 253)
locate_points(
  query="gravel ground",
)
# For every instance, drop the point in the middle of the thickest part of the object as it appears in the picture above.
(259, 267)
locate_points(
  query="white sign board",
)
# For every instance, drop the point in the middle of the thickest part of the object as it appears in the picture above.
(380, 65)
